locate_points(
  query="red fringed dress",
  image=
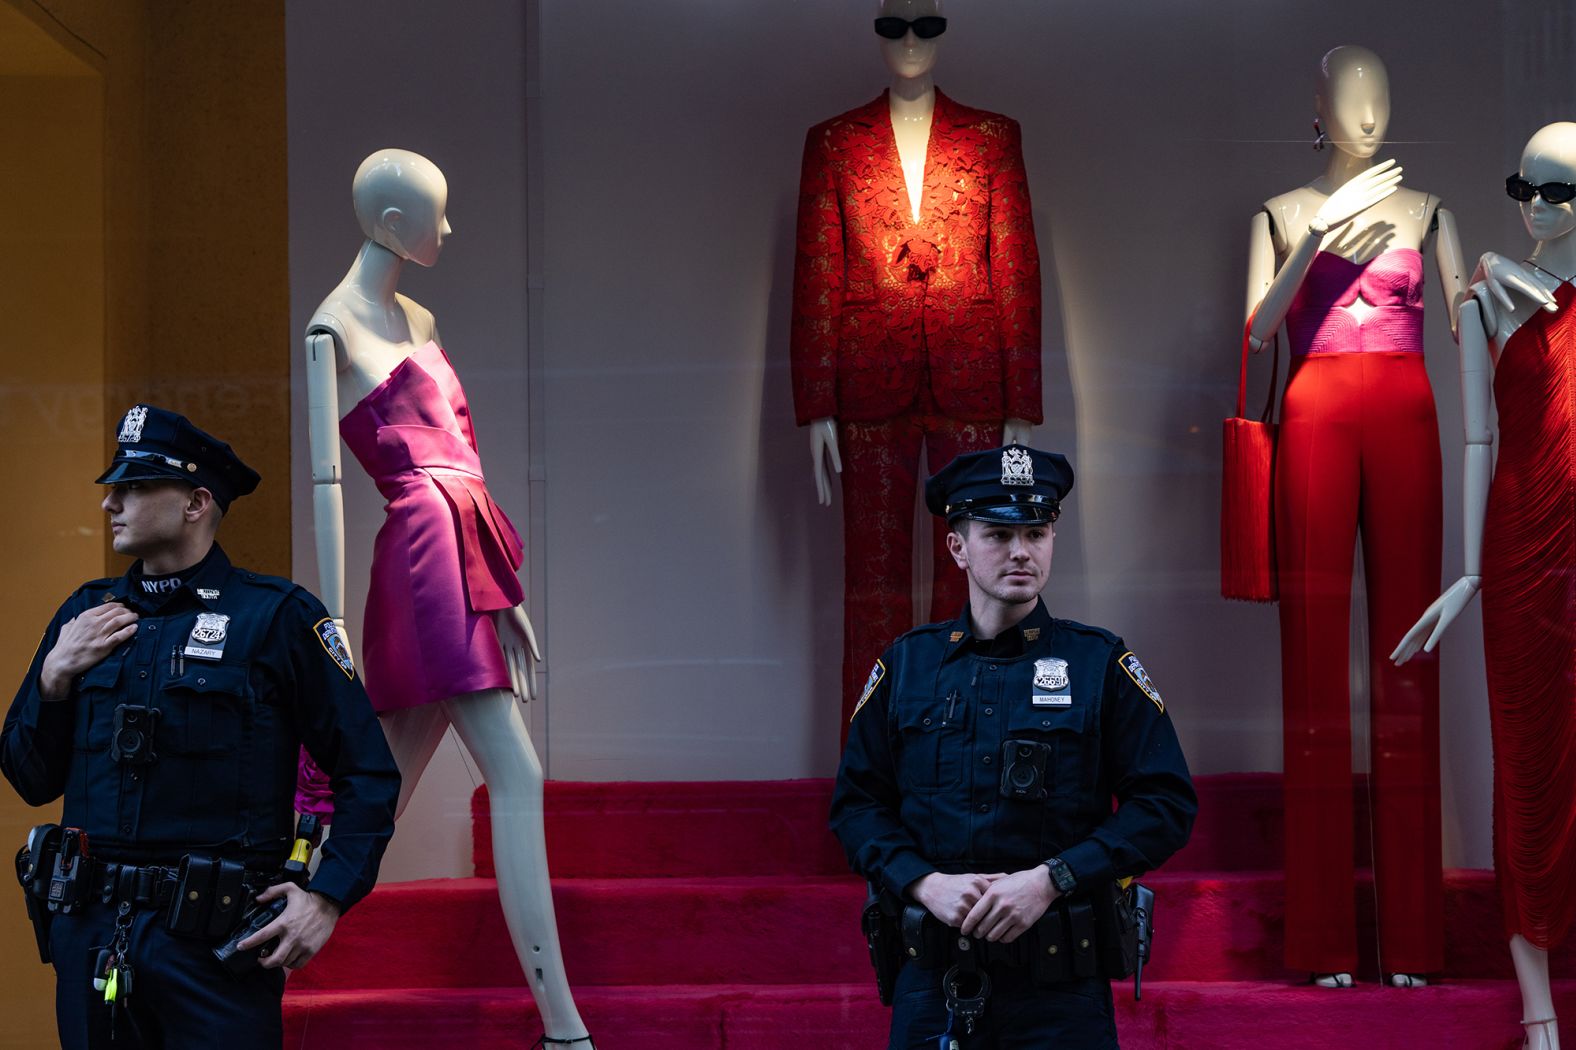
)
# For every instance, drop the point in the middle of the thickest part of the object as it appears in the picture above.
(1529, 624)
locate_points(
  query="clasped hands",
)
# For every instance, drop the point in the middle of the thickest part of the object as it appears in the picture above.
(997, 907)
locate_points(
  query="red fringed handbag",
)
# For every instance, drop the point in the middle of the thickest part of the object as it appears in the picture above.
(1247, 502)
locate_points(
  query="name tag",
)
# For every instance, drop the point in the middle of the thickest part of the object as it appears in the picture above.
(207, 637)
(1053, 700)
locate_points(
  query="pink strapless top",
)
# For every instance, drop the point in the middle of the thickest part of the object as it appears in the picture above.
(413, 431)
(1350, 308)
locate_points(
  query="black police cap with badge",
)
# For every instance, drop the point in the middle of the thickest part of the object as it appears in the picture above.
(1013, 485)
(155, 443)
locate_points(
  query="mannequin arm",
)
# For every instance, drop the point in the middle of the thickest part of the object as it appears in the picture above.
(328, 506)
(520, 650)
(1452, 268)
(823, 443)
(1015, 431)
(1476, 395)
(1270, 306)
(1492, 282)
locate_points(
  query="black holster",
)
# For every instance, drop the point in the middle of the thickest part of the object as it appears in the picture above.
(880, 925)
(35, 865)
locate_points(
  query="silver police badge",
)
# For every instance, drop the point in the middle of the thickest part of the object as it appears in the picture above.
(207, 637)
(1050, 673)
(131, 426)
(1017, 467)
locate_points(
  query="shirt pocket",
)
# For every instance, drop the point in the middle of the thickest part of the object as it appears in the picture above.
(95, 703)
(206, 711)
(931, 745)
(1062, 730)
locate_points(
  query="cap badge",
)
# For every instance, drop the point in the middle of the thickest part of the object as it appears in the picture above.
(1017, 467)
(1050, 673)
(131, 426)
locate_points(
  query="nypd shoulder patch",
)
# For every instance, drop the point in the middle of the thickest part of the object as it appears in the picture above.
(877, 673)
(333, 642)
(1140, 677)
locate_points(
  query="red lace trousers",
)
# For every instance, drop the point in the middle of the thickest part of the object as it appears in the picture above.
(1359, 449)
(880, 482)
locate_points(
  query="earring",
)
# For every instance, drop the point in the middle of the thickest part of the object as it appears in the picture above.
(1319, 137)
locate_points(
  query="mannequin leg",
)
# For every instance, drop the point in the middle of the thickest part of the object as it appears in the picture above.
(945, 440)
(494, 732)
(1537, 1002)
(413, 734)
(1316, 501)
(880, 478)
(1402, 548)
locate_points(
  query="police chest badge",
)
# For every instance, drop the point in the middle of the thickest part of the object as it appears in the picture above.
(1140, 677)
(131, 426)
(1050, 683)
(333, 642)
(876, 674)
(207, 637)
(1017, 467)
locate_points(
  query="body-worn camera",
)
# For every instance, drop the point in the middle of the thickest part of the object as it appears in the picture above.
(1023, 768)
(132, 742)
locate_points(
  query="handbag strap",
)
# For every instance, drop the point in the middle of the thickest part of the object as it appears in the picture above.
(1242, 374)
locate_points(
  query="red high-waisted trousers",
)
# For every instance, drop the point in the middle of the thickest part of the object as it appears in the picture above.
(1359, 451)
(880, 482)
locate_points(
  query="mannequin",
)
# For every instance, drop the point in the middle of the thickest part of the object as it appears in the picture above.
(376, 374)
(916, 320)
(1518, 354)
(1339, 261)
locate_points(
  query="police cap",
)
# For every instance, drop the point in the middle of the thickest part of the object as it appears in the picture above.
(157, 443)
(1014, 485)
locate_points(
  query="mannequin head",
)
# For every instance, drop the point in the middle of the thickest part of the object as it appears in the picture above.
(910, 57)
(401, 199)
(1351, 96)
(1550, 156)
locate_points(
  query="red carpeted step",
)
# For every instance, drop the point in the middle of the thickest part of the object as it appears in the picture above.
(639, 830)
(1473, 1015)
(449, 933)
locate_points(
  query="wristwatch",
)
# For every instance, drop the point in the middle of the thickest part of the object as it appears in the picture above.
(1061, 875)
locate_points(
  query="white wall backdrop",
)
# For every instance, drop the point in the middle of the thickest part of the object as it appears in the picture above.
(632, 169)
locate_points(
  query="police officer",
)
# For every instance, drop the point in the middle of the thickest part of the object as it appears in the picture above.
(979, 774)
(168, 707)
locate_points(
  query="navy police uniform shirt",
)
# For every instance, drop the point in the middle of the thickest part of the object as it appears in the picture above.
(920, 787)
(242, 669)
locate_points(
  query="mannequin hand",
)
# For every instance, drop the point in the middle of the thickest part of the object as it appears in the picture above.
(1011, 905)
(951, 897)
(303, 928)
(520, 650)
(1359, 194)
(1496, 278)
(1015, 431)
(1439, 616)
(823, 442)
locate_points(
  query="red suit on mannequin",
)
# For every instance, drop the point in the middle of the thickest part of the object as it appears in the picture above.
(907, 331)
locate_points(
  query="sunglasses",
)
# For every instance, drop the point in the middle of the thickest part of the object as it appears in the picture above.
(1553, 192)
(894, 28)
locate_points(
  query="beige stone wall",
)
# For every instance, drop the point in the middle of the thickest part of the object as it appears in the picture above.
(144, 257)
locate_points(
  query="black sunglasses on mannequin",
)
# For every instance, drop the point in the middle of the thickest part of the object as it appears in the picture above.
(1553, 192)
(894, 28)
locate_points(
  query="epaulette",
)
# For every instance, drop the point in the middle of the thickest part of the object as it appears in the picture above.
(269, 583)
(1083, 628)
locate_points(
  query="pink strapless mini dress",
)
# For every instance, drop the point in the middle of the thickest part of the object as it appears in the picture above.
(446, 556)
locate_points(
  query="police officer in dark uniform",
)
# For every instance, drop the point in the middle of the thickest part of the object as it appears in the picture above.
(168, 707)
(977, 783)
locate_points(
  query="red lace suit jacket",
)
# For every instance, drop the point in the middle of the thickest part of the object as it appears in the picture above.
(880, 302)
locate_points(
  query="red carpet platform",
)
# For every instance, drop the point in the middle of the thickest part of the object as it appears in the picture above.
(720, 915)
